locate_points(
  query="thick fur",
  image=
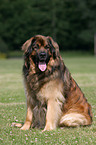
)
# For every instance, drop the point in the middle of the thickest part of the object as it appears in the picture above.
(53, 97)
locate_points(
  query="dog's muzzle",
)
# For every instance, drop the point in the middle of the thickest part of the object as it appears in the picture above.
(42, 56)
(42, 61)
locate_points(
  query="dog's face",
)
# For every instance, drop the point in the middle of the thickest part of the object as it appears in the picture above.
(40, 49)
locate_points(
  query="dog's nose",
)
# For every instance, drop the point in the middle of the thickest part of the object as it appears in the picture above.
(42, 56)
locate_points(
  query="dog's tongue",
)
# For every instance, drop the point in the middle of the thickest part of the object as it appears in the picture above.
(42, 66)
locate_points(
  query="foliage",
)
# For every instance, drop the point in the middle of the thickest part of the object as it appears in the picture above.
(15, 54)
(3, 55)
(3, 49)
(3, 46)
(13, 105)
(71, 22)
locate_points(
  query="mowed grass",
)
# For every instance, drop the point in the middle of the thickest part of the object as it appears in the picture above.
(13, 106)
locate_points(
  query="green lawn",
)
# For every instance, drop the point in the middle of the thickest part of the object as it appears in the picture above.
(13, 106)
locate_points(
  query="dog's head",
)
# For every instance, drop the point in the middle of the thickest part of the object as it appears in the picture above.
(40, 49)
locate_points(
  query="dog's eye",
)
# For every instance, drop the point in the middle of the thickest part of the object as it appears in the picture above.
(47, 47)
(36, 46)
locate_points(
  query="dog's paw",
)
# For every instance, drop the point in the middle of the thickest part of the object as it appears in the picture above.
(25, 127)
(49, 128)
(17, 124)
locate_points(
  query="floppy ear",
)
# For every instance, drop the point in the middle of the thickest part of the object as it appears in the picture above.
(54, 47)
(27, 47)
(27, 44)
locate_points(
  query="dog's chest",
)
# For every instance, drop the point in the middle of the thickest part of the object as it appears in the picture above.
(51, 90)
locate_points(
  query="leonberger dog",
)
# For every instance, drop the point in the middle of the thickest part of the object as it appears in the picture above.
(53, 97)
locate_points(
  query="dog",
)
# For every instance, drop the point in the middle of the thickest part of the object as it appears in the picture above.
(53, 97)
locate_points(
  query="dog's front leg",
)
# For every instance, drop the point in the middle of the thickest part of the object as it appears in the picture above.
(29, 116)
(28, 120)
(53, 114)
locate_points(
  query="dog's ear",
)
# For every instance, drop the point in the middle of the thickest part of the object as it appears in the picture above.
(28, 43)
(54, 47)
(27, 46)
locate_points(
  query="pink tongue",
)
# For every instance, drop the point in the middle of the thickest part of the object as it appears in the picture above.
(42, 66)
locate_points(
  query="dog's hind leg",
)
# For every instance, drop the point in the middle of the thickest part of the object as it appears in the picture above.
(17, 124)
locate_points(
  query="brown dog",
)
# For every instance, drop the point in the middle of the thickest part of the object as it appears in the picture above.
(50, 90)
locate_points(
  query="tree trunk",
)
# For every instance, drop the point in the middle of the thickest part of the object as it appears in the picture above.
(95, 44)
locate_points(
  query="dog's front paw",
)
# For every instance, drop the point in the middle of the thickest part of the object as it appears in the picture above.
(26, 126)
(49, 127)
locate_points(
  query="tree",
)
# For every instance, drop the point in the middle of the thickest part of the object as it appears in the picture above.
(70, 22)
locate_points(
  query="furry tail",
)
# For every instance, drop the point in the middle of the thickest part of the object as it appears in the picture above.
(74, 120)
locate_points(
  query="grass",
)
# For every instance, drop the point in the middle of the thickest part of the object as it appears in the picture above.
(13, 106)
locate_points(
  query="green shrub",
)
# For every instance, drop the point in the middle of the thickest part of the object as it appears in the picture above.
(15, 54)
(3, 46)
(3, 55)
